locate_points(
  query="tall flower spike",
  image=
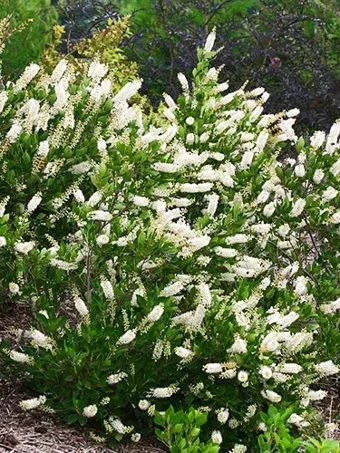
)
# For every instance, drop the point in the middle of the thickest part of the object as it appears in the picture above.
(210, 41)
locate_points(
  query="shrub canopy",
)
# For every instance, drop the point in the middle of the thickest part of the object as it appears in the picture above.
(174, 257)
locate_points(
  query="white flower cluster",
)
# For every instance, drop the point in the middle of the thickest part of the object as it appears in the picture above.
(33, 403)
(90, 411)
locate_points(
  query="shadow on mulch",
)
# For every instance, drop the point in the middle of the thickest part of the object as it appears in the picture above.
(14, 317)
(329, 407)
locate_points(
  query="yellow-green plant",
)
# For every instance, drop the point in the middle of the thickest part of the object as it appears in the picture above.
(279, 434)
(180, 431)
(103, 46)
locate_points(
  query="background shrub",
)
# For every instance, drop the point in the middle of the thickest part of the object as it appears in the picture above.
(290, 47)
(27, 46)
(103, 45)
(286, 46)
(81, 19)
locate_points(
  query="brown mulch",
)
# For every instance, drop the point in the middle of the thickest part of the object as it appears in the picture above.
(34, 432)
(28, 432)
(329, 408)
(17, 316)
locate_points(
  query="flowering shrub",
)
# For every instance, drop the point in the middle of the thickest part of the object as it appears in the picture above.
(52, 125)
(176, 258)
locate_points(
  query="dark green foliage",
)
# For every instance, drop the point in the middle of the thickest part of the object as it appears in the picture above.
(81, 19)
(289, 47)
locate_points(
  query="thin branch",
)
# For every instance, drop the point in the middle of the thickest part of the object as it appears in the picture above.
(88, 276)
(330, 410)
(312, 237)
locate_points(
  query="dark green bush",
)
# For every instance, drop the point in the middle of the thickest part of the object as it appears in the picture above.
(290, 47)
(82, 19)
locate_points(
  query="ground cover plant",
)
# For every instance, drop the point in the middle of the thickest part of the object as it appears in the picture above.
(169, 258)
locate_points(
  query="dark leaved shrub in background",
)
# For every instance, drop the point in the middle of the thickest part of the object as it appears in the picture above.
(290, 47)
(82, 19)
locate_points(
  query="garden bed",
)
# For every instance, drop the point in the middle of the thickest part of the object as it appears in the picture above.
(32, 432)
